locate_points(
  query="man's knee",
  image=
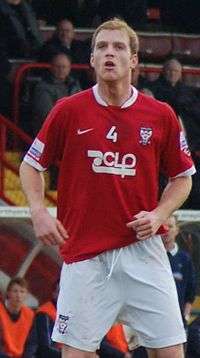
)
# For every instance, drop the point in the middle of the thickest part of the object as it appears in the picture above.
(168, 352)
(70, 352)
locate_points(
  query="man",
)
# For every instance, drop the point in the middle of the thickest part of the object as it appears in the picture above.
(64, 41)
(182, 269)
(170, 88)
(39, 343)
(56, 84)
(111, 142)
(19, 33)
(15, 319)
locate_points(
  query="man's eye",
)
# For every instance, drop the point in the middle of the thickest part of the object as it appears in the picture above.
(119, 46)
(101, 45)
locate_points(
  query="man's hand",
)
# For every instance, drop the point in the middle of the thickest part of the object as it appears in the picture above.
(145, 224)
(187, 310)
(48, 229)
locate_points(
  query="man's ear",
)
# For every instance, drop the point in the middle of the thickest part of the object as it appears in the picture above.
(134, 61)
(92, 60)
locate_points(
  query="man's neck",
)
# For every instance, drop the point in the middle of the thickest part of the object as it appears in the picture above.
(114, 94)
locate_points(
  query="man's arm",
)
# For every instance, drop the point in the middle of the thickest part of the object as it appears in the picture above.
(49, 230)
(176, 192)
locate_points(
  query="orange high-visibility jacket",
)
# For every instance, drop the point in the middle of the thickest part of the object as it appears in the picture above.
(116, 338)
(49, 309)
(14, 333)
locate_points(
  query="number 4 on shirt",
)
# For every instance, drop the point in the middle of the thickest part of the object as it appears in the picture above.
(112, 134)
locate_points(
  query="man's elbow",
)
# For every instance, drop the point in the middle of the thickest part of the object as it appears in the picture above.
(26, 169)
(185, 184)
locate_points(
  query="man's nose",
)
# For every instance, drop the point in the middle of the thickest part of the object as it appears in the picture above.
(110, 50)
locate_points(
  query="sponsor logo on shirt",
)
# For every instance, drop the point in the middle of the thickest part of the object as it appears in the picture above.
(36, 149)
(83, 131)
(113, 163)
(145, 135)
(183, 144)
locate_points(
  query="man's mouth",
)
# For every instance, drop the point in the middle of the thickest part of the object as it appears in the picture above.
(109, 64)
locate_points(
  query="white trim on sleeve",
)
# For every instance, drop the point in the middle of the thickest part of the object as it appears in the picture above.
(186, 173)
(34, 163)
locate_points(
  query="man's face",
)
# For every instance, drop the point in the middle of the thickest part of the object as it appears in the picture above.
(172, 232)
(111, 57)
(173, 72)
(17, 295)
(65, 32)
(61, 67)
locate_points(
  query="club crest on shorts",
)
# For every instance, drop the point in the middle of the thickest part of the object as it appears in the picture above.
(145, 135)
(62, 323)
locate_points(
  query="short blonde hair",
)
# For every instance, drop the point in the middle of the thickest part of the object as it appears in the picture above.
(118, 24)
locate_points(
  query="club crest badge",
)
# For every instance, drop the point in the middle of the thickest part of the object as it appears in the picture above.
(62, 324)
(145, 135)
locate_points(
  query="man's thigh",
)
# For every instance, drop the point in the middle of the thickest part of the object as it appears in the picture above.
(169, 352)
(70, 352)
(152, 308)
(88, 305)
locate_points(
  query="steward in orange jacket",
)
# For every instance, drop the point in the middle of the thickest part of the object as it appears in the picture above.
(49, 308)
(117, 339)
(15, 319)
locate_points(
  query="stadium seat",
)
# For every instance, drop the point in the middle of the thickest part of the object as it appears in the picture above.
(154, 46)
(186, 48)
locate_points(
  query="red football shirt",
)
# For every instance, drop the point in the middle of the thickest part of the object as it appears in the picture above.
(110, 160)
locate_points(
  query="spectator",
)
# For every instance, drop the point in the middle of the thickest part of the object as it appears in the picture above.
(182, 269)
(121, 342)
(15, 319)
(39, 343)
(170, 88)
(57, 84)
(169, 83)
(115, 343)
(5, 85)
(18, 28)
(64, 41)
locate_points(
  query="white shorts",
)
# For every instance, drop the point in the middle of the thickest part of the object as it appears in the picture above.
(133, 285)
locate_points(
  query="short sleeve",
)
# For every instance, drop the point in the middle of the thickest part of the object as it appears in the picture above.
(48, 146)
(175, 155)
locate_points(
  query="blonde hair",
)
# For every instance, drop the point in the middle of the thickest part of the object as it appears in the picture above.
(118, 24)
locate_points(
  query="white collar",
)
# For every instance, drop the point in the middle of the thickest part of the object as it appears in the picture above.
(174, 251)
(128, 103)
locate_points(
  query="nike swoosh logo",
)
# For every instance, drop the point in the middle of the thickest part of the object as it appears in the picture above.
(82, 131)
